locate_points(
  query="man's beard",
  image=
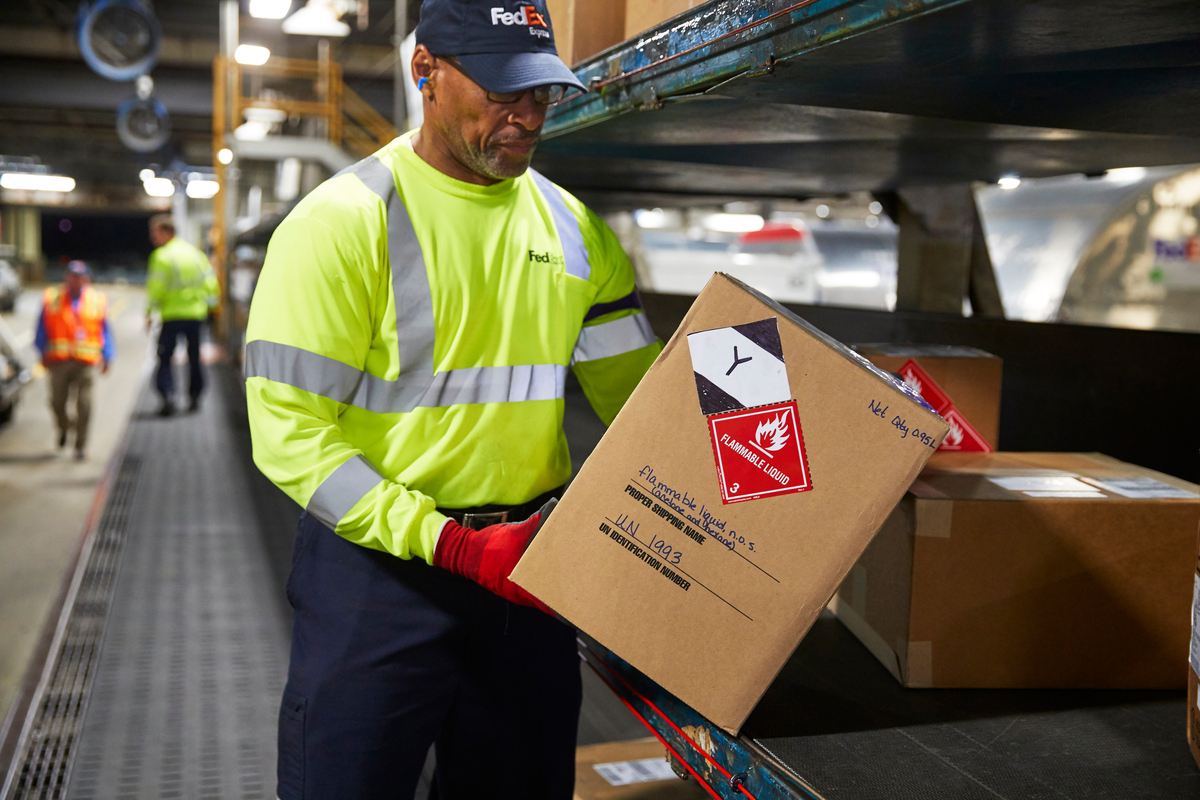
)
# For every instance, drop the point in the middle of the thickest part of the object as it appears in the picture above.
(491, 161)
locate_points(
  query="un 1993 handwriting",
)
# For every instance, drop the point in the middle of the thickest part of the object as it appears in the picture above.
(643, 555)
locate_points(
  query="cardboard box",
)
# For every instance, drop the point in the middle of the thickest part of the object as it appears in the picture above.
(1193, 697)
(961, 383)
(635, 770)
(706, 531)
(583, 28)
(1030, 570)
(641, 15)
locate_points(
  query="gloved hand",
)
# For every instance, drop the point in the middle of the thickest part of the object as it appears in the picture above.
(489, 555)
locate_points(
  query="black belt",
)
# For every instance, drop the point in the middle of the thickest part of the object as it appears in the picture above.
(482, 516)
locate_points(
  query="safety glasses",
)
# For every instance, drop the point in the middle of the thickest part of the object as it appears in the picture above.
(546, 95)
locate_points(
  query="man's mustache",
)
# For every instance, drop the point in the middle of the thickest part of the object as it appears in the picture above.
(532, 139)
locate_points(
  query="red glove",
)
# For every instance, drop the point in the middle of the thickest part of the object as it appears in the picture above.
(489, 555)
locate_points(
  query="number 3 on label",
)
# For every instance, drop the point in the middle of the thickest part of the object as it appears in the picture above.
(734, 489)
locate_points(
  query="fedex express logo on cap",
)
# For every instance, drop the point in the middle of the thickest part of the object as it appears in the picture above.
(526, 15)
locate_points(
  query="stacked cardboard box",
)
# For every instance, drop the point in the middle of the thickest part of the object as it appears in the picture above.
(728, 499)
(1030, 570)
(961, 383)
(583, 28)
(641, 15)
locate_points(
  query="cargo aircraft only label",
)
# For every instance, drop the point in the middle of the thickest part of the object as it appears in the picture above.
(739, 366)
(759, 452)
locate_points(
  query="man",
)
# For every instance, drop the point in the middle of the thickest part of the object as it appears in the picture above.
(182, 289)
(73, 336)
(406, 356)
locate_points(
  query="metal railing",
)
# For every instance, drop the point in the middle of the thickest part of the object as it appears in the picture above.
(299, 88)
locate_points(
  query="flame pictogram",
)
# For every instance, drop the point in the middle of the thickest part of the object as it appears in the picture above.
(913, 382)
(954, 437)
(776, 430)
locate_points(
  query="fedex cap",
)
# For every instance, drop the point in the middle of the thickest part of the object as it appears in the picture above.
(504, 45)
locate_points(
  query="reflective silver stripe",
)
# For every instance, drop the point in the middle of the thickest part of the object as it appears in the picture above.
(565, 222)
(412, 296)
(613, 338)
(342, 490)
(314, 373)
(496, 385)
(330, 378)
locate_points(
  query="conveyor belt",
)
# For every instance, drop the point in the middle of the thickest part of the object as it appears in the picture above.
(835, 725)
(836, 717)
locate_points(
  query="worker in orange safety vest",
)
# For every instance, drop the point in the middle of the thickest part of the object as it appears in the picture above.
(73, 337)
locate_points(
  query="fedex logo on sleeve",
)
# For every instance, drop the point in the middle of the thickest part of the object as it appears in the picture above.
(525, 15)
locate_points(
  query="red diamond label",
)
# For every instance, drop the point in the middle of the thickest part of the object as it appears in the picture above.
(919, 381)
(759, 452)
(962, 437)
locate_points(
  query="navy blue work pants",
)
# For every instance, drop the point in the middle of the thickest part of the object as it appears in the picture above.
(390, 656)
(172, 329)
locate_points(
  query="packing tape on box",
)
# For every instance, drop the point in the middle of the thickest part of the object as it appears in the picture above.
(919, 665)
(866, 634)
(921, 488)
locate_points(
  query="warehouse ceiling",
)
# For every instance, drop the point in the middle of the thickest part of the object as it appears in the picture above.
(55, 108)
(789, 99)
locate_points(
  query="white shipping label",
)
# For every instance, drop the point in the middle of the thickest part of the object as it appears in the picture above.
(1081, 495)
(739, 367)
(1194, 654)
(1030, 483)
(1141, 488)
(645, 770)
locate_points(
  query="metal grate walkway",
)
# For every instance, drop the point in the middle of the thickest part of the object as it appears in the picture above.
(195, 654)
(49, 743)
(168, 678)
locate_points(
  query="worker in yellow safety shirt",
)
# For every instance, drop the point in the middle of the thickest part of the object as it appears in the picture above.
(73, 337)
(406, 354)
(181, 288)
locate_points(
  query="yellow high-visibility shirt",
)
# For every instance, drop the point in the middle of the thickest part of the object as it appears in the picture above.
(180, 283)
(409, 339)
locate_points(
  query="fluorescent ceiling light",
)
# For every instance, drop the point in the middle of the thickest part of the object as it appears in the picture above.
(317, 18)
(37, 183)
(146, 175)
(733, 223)
(822, 211)
(159, 187)
(202, 189)
(1009, 182)
(270, 9)
(225, 155)
(849, 279)
(251, 54)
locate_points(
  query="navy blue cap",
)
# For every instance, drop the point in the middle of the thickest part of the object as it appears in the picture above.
(504, 45)
(78, 268)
